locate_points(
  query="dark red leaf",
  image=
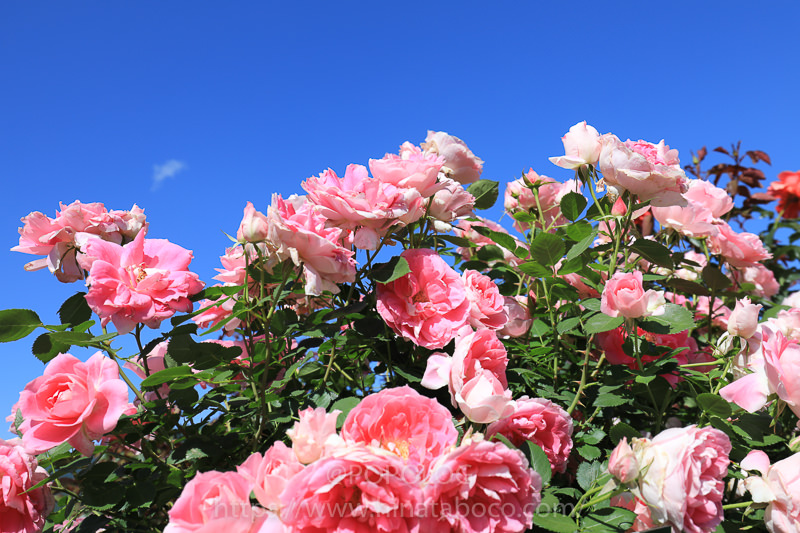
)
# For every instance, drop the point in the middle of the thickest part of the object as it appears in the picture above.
(721, 150)
(758, 155)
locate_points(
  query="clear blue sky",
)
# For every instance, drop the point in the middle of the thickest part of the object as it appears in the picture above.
(253, 97)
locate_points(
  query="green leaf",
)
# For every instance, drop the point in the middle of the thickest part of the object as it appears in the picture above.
(72, 338)
(601, 322)
(579, 230)
(485, 193)
(345, 405)
(571, 266)
(568, 324)
(502, 239)
(622, 430)
(547, 248)
(609, 400)
(490, 252)
(75, 310)
(45, 349)
(714, 404)
(581, 245)
(572, 205)
(532, 268)
(688, 287)
(715, 279)
(588, 473)
(608, 519)
(653, 252)
(555, 522)
(16, 324)
(168, 374)
(396, 268)
(540, 462)
(675, 319)
(589, 452)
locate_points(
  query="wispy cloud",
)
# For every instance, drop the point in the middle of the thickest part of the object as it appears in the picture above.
(167, 170)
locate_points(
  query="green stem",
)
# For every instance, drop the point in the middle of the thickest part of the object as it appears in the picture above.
(582, 384)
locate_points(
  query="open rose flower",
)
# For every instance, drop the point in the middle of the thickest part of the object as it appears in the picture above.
(779, 486)
(460, 164)
(412, 169)
(624, 295)
(787, 191)
(144, 282)
(22, 510)
(741, 250)
(313, 433)
(487, 306)
(427, 306)
(581, 147)
(269, 473)
(73, 402)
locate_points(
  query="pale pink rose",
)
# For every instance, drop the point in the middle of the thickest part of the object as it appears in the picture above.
(486, 304)
(713, 198)
(779, 485)
(581, 147)
(465, 229)
(681, 478)
(793, 300)
(693, 220)
(362, 490)
(311, 433)
(402, 421)
(73, 402)
(22, 510)
(741, 250)
(622, 463)
(212, 502)
(299, 233)
(410, 170)
(751, 388)
(782, 368)
(356, 200)
(460, 164)
(744, 318)
(427, 306)
(155, 363)
(719, 314)
(692, 272)
(788, 323)
(129, 223)
(624, 295)
(450, 203)
(481, 486)
(766, 286)
(254, 226)
(519, 320)
(650, 171)
(269, 474)
(144, 282)
(520, 197)
(541, 422)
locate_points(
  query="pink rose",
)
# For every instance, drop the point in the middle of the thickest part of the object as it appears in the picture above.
(312, 433)
(482, 486)
(362, 490)
(450, 203)
(299, 233)
(410, 170)
(650, 171)
(713, 198)
(744, 318)
(403, 422)
(779, 485)
(155, 363)
(766, 286)
(466, 230)
(213, 502)
(22, 510)
(144, 282)
(486, 304)
(692, 220)
(624, 295)
(541, 422)
(73, 402)
(738, 249)
(269, 474)
(520, 197)
(254, 226)
(682, 475)
(460, 164)
(719, 314)
(581, 147)
(519, 320)
(427, 306)
(622, 463)
(782, 368)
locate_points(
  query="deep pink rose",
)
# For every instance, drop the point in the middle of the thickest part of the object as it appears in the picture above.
(460, 164)
(738, 249)
(487, 308)
(482, 486)
(624, 295)
(362, 490)
(541, 422)
(410, 170)
(299, 233)
(581, 147)
(427, 306)
(403, 422)
(73, 402)
(144, 282)
(22, 511)
(268, 474)
(213, 502)
(311, 435)
(650, 171)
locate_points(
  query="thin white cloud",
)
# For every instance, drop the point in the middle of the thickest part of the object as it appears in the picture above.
(167, 170)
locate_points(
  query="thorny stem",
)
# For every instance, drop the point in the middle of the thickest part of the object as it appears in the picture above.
(582, 384)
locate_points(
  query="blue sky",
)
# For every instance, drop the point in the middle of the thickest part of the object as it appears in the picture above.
(230, 102)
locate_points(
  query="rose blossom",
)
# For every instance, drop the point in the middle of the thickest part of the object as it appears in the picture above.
(713, 198)
(692, 220)
(766, 286)
(429, 304)
(312, 432)
(402, 421)
(144, 282)
(254, 226)
(787, 191)
(744, 318)
(541, 422)
(538, 194)
(622, 463)
(460, 164)
(360, 490)
(738, 249)
(486, 304)
(482, 486)
(412, 170)
(624, 295)
(650, 171)
(782, 368)
(155, 363)
(581, 147)
(269, 474)
(22, 510)
(466, 229)
(73, 402)
(778, 485)
(450, 203)
(519, 320)
(212, 502)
